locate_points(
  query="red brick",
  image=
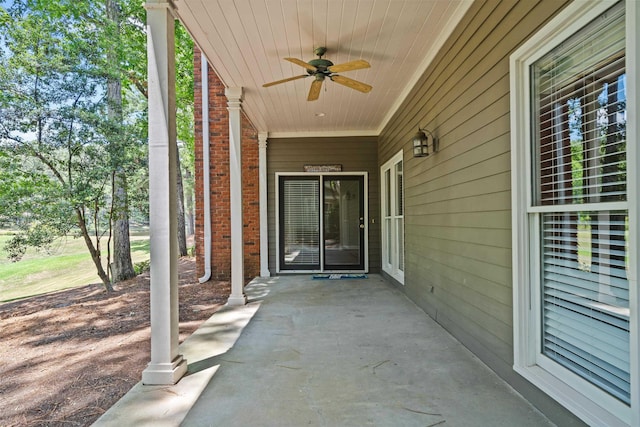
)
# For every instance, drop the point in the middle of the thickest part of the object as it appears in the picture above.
(219, 180)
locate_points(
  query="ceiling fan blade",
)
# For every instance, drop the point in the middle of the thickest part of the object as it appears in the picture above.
(301, 63)
(314, 92)
(353, 84)
(358, 64)
(277, 82)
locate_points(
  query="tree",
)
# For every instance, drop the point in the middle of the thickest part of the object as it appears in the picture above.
(61, 122)
(182, 237)
(48, 115)
(73, 122)
(122, 265)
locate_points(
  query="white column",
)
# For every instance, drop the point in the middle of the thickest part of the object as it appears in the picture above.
(264, 225)
(166, 365)
(234, 102)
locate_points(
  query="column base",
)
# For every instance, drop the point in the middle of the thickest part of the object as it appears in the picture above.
(165, 373)
(235, 300)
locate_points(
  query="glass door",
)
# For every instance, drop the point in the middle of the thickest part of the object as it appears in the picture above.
(321, 222)
(344, 222)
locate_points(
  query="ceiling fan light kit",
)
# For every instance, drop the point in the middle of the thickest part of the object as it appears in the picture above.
(321, 68)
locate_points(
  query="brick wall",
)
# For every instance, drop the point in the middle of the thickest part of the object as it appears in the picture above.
(219, 179)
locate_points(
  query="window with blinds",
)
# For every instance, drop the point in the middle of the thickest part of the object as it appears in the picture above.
(300, 219)
(579, 152)
(586, 297)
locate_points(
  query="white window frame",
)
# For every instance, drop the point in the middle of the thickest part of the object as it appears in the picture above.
(586, 401)
(391, 268)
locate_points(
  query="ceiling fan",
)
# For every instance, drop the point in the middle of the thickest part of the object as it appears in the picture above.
(322, 68)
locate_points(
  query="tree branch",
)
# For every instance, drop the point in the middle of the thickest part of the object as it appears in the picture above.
(69, 149)
(141, 85)
(49, 164)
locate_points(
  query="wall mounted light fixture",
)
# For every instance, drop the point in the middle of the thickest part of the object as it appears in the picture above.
(421, 143)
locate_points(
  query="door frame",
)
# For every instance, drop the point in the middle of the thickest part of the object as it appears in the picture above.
(320, 176)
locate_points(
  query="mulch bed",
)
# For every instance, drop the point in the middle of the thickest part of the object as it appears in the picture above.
(66, 357)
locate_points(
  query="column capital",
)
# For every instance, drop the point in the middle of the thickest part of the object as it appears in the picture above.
(262, 139)
(233, 94)
(161, 4)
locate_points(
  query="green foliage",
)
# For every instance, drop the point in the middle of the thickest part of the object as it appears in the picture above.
(142, 266)
(59, 142)
(33, 203)
(39, 236)
(4, 17)
(60, 138)
(16, 247)
(184, 94)
(48, 117)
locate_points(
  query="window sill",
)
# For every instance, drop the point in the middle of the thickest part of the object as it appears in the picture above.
(588, 410)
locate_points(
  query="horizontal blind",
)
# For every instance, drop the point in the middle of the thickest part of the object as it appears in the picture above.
(581, 114)
(586, 297)
(399, 215)
(399, 188)
(400, 243)
(579, 147)
(301, 222)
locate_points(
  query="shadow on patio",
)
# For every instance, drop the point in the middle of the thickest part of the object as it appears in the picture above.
(329, 353)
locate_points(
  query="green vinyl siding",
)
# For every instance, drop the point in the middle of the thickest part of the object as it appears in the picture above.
(458, 200)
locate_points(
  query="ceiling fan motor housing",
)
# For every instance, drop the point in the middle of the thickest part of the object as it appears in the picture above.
(321, 65)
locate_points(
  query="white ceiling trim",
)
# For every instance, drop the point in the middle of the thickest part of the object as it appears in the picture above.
(327, 134)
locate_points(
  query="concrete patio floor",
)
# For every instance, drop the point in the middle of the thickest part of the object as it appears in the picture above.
(326, 353)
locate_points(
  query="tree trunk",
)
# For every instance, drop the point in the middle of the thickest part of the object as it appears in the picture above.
(93, 250)
(122, 265)
(182, 238)
(188, 205)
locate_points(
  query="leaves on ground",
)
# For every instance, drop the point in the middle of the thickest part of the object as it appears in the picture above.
(69, 356)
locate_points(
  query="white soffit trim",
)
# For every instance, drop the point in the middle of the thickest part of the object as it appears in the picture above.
(330, 134)
(449, 27)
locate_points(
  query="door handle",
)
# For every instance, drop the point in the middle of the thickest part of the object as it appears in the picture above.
(361, 225)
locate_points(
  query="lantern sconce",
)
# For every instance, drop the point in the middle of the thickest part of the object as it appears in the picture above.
(421, 143)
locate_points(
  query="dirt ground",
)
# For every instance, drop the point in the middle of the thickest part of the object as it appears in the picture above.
(66, 357)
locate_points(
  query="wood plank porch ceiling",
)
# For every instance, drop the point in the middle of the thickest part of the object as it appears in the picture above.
(245, 42)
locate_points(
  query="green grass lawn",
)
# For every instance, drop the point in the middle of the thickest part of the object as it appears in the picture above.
(68, 265)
